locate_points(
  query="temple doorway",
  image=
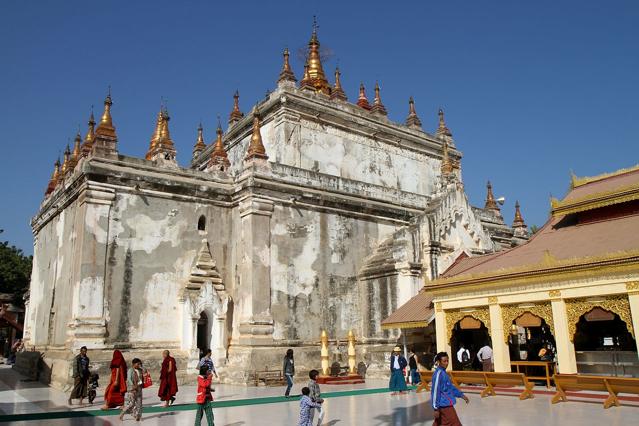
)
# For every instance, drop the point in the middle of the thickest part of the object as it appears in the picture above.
(529, 334)
(604, 345)
(472, 334)
(203, 334)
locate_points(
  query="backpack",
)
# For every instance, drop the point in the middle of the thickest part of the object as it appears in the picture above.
(465, 357)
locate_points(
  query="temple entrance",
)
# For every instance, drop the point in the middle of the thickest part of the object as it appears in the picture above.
(472, 335)
(531, 339)
(203, 334)
(603, 345)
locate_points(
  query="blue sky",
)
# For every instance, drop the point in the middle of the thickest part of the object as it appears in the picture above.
(531, 90)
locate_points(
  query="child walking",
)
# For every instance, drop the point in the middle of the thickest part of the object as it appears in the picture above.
(134, 386)
(316, 396)
(443, 394)
(306, 408)
(204, 396)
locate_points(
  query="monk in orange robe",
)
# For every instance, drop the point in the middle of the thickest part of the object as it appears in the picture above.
(114, 394)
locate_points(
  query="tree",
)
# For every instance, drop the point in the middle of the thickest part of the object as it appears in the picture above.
(533, 229)
(15, 271)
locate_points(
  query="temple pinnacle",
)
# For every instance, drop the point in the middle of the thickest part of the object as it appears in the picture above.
(287, 73)
(256, 147)
(442, 130)
(219, 159)
(413, 120)
(106, 128)
(362, 101)
(90, 136)
(378, 107)
(199, 143)
(338, 92)
(236, 115)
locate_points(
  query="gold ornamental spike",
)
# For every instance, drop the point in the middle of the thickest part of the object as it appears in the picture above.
(236, 114)
(287, 73)
(378, 107)
(199, 144)
(362, 101)
(491, 203)
(338, 91)
(315, 70)
(106, 128)
(256, 147)
(412, 120)
(87, 145)
(442, 130)
(519, 220)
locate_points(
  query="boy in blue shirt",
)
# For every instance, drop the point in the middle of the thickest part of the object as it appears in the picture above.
(443, 394)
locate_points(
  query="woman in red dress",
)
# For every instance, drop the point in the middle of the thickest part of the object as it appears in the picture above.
(114, 394)
(168, 380)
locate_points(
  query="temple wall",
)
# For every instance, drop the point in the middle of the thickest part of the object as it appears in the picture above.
(315, 258)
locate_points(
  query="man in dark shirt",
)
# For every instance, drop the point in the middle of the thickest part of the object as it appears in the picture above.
(412, 365)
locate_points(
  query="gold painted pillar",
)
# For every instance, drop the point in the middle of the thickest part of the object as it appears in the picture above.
(566, 362)
(633, 298)
(443, 339)
(501, 356)
(324, 353)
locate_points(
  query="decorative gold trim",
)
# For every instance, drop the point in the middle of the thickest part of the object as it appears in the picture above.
(564, 269)
(596, 200)
(510, 313)
(618, 304)
(579, 181)
(407, 324)
(632, 286)
(438, 307)
(454, 316)
(492, 300)
(554, 294)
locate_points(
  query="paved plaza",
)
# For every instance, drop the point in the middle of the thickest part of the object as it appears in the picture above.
(346, 405)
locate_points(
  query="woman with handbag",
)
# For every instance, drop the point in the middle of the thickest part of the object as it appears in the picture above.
(204, 396)
(135, 383)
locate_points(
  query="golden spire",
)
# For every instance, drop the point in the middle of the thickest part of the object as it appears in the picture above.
(90, 136)
(106, 128)
(519, 220)
(165, 141)
(315, 70)
(65, 164)
(306, 79)
(412, 120)
(378, 107)
(199, 144)
(236, 115)
(442, 130)
(219, 158)
(157, 133)
(75, 156)
(491, 203)
(53, 182)
(287, 73)
(256, 147)
(362, 101)
(338, 92)
(447, 165)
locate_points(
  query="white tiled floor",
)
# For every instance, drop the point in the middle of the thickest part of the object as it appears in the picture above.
(375, 409)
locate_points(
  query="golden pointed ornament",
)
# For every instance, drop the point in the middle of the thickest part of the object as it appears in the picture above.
(362, 101)
(256, 148)
(236, 115)
(378, 107)
(338, 91)
(412, 120)
(287, 73)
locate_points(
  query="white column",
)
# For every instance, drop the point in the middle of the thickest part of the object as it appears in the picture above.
(633, 298)
(218, 339)
(501, 356)
(567, 363)
(443, 343)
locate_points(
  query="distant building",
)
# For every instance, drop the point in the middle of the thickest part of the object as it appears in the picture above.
(309, 213)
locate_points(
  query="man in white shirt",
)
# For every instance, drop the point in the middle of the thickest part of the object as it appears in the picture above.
(485, 356)
(463, 356)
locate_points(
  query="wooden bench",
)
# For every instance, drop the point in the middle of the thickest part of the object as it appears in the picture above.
(269, 377)
(425, 377)
(489, 380)
(548, 366)
(612, 385)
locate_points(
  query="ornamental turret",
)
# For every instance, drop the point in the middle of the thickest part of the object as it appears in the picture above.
(362, 101)
(106, 140)
(519, 226)
(315, 70)
(219, 159)
(286, 75)
(235, 115)
(378, 107)
(491, 203)
(199, 143)
(87, 145)
(162, 149)
(53, 182)
(413, 120)
(338, 91)
(256, 148)
(64, 170)
(77, 152)
(443, 132)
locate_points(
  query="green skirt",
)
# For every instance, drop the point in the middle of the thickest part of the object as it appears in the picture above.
(397, 381)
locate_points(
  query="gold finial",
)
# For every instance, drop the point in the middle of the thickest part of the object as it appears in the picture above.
(306, 83)
(378, 107)
(491, 203)
(256, 147)
(338, 92)
(157, 134)
(442, 130)
(90, 136)
(75, 155)
(447, 165)
(65, 163)
(287, 73)
(106, 128)
(219, 158)
(519, 220)
(315, 70)
(412, 120)
(362, 101)
(53, 182)
(236, 115)
(199, 144)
